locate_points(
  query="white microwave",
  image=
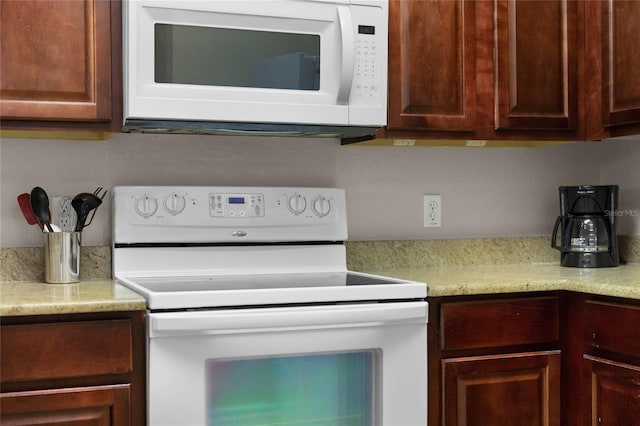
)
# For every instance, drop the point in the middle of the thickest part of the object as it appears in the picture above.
(296, 67)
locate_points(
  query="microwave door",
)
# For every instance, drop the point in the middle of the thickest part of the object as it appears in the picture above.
(252, 61)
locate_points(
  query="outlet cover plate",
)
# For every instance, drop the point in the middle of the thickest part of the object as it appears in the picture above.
(432, 211)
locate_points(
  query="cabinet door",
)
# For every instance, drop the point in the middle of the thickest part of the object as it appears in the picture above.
(432, 64)
(620, 62)
(536, 65)
(612, 392)
(497, 390)
(56, 60)
(93, 406)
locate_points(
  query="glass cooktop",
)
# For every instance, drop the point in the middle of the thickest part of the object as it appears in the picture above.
(257, 281)
(210, 291)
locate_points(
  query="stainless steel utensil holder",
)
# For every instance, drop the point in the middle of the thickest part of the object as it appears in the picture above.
(62, 257)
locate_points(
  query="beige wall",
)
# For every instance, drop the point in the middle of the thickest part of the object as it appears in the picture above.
(485, 191)
(620, 164)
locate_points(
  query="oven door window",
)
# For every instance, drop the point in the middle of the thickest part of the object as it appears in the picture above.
(335, 389)
(186, 54)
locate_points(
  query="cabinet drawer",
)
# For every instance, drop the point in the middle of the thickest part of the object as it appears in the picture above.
(88, 406)
(613, 327)
(495, 323)
(65, 350)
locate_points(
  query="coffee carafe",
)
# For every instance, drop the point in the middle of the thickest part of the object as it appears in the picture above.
(587, 224)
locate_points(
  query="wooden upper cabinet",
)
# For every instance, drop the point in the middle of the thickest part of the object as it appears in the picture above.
(56, 60)
(432, 65)
(483, 69)
(536, 65)
(620, 22)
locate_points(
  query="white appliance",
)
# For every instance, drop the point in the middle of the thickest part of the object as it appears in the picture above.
(282, 66)
(253, 317)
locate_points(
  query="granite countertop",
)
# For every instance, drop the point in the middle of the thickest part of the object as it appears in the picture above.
(621, 281)
(38, 298)
(493, 265)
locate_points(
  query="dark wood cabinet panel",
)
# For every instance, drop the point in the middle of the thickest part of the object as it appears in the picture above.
(620, 62)
(556, 358)
(506, 322)
(536, 65)
(432, 65)
(61, 65)
(73, 369)
(513, 69)
(522, 389)
(612, 392)
(495, 359)
(53, 60)
(610, 327)
(63, 350)
(93, 406)
(483, 69)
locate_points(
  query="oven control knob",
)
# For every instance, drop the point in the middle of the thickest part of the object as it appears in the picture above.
(146, 206)
(321, 206)
(297, 203)
(174, 203)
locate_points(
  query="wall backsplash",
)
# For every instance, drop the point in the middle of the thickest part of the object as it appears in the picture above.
(486, 192)
(27, 264)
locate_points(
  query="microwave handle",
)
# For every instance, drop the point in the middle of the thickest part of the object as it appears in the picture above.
(278, 319)
(348, 53)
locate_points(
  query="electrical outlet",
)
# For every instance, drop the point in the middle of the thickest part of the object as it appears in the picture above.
(62, 213)
(432, 211)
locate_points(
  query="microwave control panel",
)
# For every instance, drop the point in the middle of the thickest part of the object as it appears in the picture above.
(370, 52)
(366, 66)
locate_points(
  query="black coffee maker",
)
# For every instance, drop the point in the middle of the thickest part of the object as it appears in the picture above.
(587, 225)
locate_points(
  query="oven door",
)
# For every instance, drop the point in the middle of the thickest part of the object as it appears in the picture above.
(362, 364)
(256, 61)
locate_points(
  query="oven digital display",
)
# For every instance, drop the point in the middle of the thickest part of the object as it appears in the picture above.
(236, 205)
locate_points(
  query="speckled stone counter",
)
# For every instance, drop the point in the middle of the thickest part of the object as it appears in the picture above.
(621, 281)
(493, 265)
(37, 298)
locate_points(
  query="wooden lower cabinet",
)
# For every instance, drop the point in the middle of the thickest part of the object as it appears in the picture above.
(612, 392)
(611, 380)
(495, 360)
(91, 406)
(73, 369)
(549, 358)
(522, 389)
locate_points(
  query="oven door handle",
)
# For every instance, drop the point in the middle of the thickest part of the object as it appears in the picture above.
(278, 319)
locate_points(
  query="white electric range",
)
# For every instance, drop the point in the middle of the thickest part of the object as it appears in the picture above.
(254, 279)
